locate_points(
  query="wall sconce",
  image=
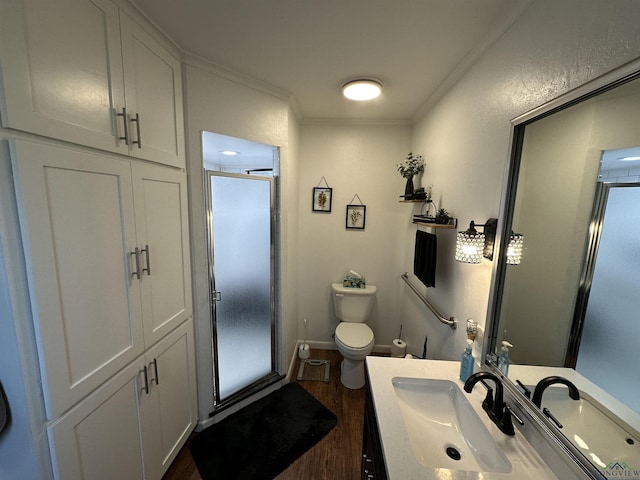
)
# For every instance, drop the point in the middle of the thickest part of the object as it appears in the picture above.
(472, 245)
(514, 249)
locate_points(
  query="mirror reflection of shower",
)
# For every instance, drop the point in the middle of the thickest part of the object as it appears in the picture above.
(241, 197)
(620, 166)
(610, 329)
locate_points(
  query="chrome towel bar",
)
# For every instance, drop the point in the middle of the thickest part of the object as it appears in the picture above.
(451, 321)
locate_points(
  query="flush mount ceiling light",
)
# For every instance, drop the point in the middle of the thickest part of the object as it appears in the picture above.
(230, 153)
(361, 89)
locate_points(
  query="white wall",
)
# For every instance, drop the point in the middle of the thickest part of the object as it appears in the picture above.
(354, 159)
(217, 104)
(555, 46)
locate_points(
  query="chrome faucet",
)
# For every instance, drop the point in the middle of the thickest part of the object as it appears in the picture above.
(496, 408)
(548, 381)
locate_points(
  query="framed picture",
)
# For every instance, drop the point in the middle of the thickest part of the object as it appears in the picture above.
(321, 199)
(356, 215)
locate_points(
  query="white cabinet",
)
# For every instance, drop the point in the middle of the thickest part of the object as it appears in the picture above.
(133, 426)
(82, 71)
(106, 245)
(160, 199)
(153, 90)
(172, 398)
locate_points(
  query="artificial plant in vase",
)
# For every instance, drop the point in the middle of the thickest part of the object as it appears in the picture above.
(412, 165)
(442, 217)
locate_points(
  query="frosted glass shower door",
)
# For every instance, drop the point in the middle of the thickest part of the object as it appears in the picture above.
(242, 272)
(609, 344)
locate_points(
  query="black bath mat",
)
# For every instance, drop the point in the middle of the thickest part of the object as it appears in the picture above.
(263, 439)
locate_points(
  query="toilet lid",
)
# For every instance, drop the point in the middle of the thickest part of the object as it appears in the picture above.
(354, 335)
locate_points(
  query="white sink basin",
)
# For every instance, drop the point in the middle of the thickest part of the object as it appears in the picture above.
(443, 428)
(592, 428)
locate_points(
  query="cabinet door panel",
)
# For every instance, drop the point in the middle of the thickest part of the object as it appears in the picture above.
(172, 395)
(153, 88)
(100, 438)
(162, 224)
(78, 228)
(62, 69)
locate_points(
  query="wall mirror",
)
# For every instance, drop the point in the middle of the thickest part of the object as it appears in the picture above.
(572, 189)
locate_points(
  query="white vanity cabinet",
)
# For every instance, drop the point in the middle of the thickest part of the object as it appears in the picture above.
(107, 251)
(133, 426)
(84, 72)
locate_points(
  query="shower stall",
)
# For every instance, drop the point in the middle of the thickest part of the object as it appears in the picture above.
(242, 255)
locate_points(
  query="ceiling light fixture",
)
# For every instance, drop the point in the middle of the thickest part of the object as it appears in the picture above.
(230, 153)
(361, 89)
(629, 159)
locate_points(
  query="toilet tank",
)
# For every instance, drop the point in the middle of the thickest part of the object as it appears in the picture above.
(353, 304)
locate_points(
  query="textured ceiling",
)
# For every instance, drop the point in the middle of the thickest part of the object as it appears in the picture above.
(307, 49)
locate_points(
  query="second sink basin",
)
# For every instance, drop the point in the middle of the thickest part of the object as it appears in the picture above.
(443, 428)
(593, 429)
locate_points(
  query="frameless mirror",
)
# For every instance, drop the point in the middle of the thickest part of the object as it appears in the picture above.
(570, 307)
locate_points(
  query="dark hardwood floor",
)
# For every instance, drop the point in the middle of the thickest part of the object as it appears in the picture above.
(336, 456)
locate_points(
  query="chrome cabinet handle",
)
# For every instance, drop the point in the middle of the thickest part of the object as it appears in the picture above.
(146, 253)
(155, 368)
(145, 375)
(137, 120)
(136, 273)
(124, 123)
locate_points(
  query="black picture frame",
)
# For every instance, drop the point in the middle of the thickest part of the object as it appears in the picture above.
(321, 199)
(356, 217)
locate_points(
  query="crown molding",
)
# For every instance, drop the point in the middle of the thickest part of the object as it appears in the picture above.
(469, 60)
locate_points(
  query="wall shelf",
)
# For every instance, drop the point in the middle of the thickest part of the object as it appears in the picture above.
(453, 223)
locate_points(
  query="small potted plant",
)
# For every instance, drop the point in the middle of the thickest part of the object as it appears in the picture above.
(442, 217)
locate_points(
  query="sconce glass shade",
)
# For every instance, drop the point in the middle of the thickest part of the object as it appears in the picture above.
(362, 89)
(514, 249)
(469, 247)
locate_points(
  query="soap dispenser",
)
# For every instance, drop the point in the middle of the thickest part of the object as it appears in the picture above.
(503, 359)
(467, 363)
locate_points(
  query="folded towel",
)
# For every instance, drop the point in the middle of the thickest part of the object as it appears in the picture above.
(424, 260)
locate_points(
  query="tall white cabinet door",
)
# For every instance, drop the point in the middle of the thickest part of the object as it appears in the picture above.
(172, 398)
(62, 70)
(100, 438)
(160, 197)
(153, 88)
(78, 228)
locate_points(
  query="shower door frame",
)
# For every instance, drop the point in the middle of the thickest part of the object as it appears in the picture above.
(272, 377)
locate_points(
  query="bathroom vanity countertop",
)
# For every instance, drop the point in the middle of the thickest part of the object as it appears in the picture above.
(400, 461)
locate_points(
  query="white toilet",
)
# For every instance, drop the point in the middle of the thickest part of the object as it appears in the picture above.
(353, 336)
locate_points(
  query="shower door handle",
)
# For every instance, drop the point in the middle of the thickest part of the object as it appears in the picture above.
(216, 296)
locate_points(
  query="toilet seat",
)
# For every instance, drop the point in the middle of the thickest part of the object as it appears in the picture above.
(354, 336)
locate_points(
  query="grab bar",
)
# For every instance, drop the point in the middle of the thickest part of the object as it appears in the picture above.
(451, 321)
